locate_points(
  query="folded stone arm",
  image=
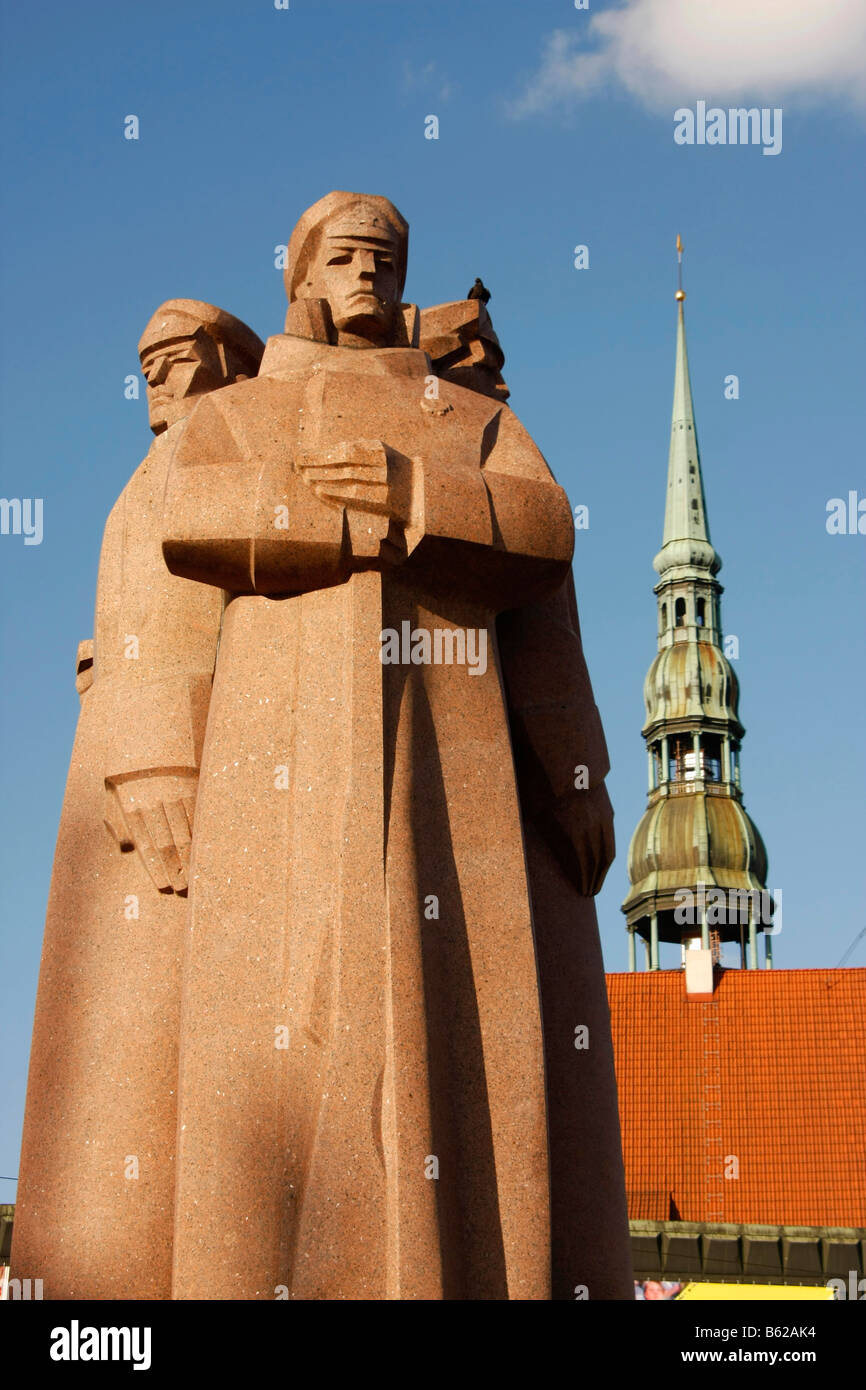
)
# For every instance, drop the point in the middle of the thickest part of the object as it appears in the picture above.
(502, 533)
(505, 531)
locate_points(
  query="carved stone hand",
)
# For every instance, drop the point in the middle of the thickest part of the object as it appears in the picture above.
(155, 814)
(363, 475)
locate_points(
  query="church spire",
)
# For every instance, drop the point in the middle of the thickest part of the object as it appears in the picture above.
(695, 844)
(687, 533)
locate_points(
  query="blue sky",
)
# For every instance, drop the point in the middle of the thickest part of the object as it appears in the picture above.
(247, 115)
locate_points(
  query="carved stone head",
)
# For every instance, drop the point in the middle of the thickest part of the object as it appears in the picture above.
(348, 253)
(189, 348)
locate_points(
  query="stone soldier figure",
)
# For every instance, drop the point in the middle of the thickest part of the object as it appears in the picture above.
(393, 860)
(94, 1210)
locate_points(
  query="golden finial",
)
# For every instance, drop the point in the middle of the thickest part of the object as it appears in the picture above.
(680, 294)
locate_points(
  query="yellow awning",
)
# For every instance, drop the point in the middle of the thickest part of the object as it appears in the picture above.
(726, 1292)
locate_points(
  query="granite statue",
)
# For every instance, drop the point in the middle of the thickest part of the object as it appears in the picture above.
(391, 938)
(356, 785)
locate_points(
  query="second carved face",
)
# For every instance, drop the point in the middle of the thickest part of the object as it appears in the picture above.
(178, 369)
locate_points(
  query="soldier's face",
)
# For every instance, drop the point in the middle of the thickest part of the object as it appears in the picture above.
(360, 280)
(175, 371)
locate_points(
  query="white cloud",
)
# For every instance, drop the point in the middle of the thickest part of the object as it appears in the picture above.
(664, 51)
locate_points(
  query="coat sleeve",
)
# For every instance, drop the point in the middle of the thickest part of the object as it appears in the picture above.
(506, 529)
(155, 639)
(242, 523)
(559, 746)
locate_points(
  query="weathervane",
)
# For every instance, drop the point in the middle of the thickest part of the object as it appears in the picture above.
(680, 294)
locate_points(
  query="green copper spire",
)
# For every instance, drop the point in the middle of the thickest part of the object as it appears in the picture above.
(686, 540)
(695, 843)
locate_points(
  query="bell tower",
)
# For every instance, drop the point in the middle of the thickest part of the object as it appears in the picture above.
(697, 864)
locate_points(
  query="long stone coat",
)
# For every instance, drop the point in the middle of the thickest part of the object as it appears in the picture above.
(94, 1212)
(362, 1108)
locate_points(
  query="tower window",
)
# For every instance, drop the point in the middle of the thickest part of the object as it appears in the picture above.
(711, 757)
(664, 617)
(701, 612)
(682, 758)
(680, 612)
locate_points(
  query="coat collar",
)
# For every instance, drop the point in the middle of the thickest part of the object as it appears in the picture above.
(286, 355)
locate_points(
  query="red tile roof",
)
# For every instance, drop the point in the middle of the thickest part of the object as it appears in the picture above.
(771, 1073)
